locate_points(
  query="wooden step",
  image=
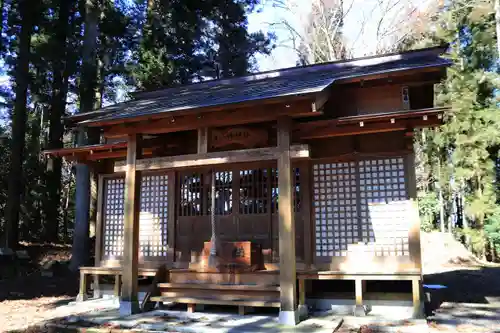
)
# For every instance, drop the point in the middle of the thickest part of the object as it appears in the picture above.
(222, 294)
(217, 301)
(239, 287)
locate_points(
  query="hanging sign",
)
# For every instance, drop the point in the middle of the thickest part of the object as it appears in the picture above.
(246, 137)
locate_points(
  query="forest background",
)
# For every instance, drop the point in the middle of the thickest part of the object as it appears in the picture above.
(59, 57)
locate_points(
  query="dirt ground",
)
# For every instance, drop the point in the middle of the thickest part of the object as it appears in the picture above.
(469, 303)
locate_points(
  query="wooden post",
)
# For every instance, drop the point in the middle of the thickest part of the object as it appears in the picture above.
(118, 285)
(172, 217)
(302, 299)
(306, 212)
(129, 302)
(98, 235)
(288, 275)
(418, 307)
(82, 294)
(359, 309)
(414, 232)
(96, 286)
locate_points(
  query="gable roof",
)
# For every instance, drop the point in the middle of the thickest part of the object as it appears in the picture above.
(289, 82)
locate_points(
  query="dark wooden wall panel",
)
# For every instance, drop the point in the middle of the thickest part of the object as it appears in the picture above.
(343, 146)
(353, 101)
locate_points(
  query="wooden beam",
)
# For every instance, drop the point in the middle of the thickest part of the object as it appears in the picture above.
(129, 302)
(115, 154)
(194, 121)
(288, 273)
(386, 75)
(321, 99)
(216, 158)
(415, 79)
(331, 128)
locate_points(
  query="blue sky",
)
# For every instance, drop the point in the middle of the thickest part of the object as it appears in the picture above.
(283, 55)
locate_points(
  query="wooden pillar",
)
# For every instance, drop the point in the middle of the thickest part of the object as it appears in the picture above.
(302, 299)
(129, 303)
(98, 235)
(118, 285)
(306, 211)
(172, 218)
(414, 235)
(359, 309)
(288, 275)
(82, 294)
(418, 305)
(414, 232)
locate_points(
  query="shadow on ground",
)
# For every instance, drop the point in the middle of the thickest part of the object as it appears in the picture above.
(479, 286)
(469, 303)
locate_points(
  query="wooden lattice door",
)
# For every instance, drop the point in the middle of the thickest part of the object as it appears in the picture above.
(246, 210)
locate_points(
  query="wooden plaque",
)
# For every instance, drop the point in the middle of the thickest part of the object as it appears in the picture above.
(246, 137)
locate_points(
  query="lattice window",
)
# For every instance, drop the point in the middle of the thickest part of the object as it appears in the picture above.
(113, 214)
(191, 194)
(223, 193)
(383, 206)
(253, 191)
(335, 208)
(296, 190)
(153, 216)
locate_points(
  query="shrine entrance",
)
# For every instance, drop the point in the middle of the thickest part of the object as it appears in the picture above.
(246, 210)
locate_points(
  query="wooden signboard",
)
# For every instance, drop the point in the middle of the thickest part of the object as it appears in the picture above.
(243, 136)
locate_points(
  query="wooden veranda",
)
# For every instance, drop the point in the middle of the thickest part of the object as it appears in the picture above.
(314, 179)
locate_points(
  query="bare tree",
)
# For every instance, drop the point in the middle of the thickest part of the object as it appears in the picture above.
(315, 33)
(328, 30)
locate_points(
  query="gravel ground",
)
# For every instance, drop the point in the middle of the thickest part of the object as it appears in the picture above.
(470, 302)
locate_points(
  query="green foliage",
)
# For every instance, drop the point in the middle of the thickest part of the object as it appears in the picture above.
(492, 228)
(428, 207)
(187, 41)
(136, 47)
(476, 239)
(465, 146)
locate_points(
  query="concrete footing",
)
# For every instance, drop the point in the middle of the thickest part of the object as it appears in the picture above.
(303, 311)
(128, 308)
(359, 311)
(289, 318)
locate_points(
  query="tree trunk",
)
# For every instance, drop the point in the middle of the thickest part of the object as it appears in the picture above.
(441, 201)
(56, 129)
(80, 252)
(27, 10)
(497, 20)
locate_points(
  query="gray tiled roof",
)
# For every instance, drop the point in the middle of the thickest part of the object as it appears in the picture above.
(281, 83)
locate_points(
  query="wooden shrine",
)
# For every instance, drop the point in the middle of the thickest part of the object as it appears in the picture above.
(312, 170)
